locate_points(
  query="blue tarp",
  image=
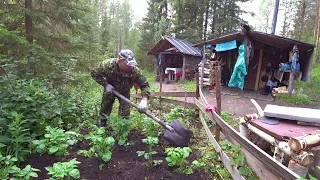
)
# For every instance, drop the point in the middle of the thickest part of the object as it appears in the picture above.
(239, 71)
(226, 46)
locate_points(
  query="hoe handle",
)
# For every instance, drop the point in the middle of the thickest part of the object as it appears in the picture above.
(165, 125)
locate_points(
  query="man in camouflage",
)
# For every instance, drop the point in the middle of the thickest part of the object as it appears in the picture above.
(120, 74)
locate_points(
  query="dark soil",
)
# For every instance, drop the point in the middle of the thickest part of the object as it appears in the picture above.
(124, 164)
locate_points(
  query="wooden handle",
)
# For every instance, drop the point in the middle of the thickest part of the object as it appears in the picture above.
(259, 109)
(165, 125)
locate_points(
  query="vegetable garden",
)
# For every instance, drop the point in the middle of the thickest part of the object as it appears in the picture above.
(49, 133)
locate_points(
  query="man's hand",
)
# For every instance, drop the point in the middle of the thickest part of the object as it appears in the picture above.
(142, 107)
(109, 88)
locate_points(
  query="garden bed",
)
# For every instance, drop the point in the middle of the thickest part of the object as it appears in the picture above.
(124, 164)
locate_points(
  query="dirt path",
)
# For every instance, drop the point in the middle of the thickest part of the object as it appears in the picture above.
(236, 105)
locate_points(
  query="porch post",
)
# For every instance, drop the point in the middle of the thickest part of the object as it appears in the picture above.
(183, 66)
(202, 65)
(256, 86)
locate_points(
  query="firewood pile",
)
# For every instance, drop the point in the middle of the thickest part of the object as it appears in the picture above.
(207, 72)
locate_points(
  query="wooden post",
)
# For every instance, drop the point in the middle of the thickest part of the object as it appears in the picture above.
(202, 65)
(218, 98)
(259, 68)
(161, 80)
(184, 67)
(197, 85)
(290, 87)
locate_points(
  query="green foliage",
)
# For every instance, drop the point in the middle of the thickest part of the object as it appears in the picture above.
(23, 174)
(56, 141)
(237, 159)
(151, 142)
(6, 163)
(101, 145)
(227, 117)
(61, 170)
(177, 157)
(187, 85)
(121, 127)
(17, 137)
(296, 98)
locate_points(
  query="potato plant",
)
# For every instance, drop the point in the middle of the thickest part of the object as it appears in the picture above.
(60, 170)
(56, 141)
(101, 146)
(177, 157)
(151, 142)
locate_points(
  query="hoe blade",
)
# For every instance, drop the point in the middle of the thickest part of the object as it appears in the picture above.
(180, 137)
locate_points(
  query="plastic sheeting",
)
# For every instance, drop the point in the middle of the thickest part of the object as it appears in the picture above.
(239, 71)
(226, 46)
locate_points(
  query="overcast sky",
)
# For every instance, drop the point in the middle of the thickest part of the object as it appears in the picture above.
(139, 8)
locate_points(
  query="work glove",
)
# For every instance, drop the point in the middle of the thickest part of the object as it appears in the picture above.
(109, 88)
(142, 107)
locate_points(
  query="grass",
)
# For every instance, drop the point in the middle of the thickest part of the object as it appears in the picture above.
(306, 93)
(187, 85)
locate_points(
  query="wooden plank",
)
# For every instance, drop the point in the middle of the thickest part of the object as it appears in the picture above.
(293, 113)
(259, 68)
(202, 65)
(308, 123)
(197, 85)
(172, 101)
(218, 97)
(174, 94)
(183, 66)
(224, 158)
(230, 133)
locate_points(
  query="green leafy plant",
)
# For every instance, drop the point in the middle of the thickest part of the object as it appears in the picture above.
(56, 141)
(100, 145)
(18, 136)
(6, 163)
(23, 174)
(178, 157)
(175, 113)
(122, 127)
(68, 169)
(151, 142)
(237, 159)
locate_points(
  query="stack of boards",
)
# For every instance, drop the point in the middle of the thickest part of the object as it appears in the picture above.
(303, 116)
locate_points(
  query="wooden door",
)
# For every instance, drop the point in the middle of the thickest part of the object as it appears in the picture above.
(250, 78)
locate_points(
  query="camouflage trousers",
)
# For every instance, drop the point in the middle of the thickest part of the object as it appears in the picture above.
(108, 101)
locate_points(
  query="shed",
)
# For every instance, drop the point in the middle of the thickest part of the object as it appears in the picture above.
(177, 56)
(267, 52)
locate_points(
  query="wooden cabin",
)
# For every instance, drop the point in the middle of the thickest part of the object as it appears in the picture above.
(263, 54)
(175, 58)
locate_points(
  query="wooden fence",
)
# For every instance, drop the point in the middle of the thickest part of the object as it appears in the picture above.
(265, 166)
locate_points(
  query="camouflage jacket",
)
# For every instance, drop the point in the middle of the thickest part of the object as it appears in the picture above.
(108, 73)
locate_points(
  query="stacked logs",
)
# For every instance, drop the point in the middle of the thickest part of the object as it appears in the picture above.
(207, 72)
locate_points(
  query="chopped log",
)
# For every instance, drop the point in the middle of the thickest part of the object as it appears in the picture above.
(304, 143)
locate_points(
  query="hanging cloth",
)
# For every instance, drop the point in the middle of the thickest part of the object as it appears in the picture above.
(239, 71)
(226, 46)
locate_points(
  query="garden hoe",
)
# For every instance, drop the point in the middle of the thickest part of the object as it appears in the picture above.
(176, 134)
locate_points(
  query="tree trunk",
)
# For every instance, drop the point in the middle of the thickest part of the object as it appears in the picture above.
(206, 22)
(28, 21)
(303, 11)
(318, 34)
(213, 24)
(275, 16)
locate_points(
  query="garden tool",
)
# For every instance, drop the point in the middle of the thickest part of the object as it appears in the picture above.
(176, 134)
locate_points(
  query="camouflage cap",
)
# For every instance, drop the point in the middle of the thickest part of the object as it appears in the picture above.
(128, 57)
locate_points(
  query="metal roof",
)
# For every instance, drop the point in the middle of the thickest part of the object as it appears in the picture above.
(274, 40)
(182, 46)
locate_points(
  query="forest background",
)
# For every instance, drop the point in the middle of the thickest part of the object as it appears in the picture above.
(57, 38)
